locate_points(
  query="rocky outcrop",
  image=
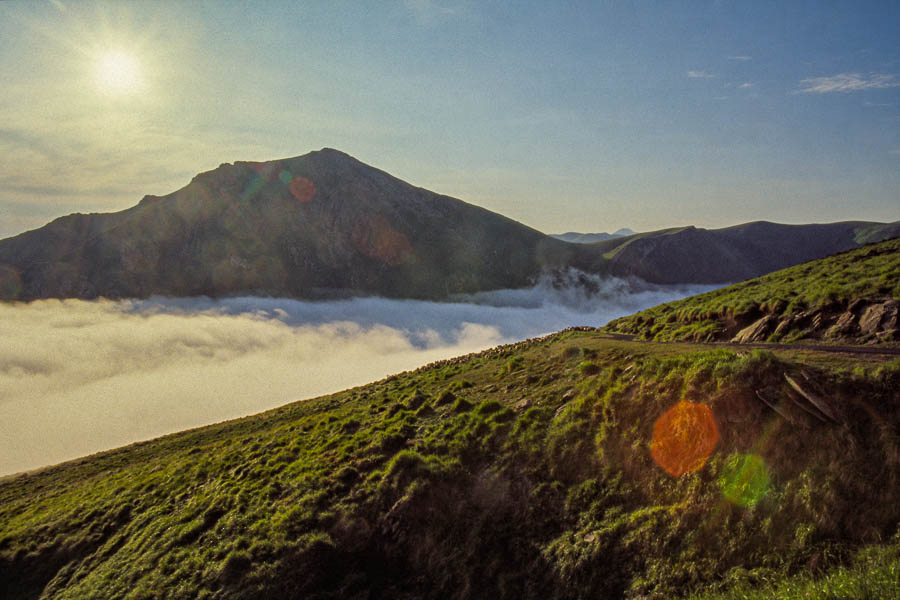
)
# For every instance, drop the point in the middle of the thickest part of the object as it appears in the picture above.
(881, 317)
(862, 320)
(758, 331)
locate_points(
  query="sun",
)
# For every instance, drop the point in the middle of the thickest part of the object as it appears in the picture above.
(117, 72)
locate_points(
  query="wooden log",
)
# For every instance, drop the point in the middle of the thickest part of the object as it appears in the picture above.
(787, 417)
(813, 399)
(808, 408)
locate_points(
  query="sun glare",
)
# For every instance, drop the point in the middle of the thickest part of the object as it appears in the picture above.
(117, 72)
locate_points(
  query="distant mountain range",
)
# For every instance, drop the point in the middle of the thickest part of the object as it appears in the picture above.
(731, 254)
(847, 298)
(325, 225)
(590, 238)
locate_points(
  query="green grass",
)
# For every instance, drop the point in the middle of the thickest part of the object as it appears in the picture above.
(873, 574)
(454, 481)
(869, 272)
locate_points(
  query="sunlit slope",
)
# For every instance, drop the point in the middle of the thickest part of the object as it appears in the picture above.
(851, 297)
(573, 466)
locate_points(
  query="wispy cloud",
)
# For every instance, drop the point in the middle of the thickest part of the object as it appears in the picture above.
(700, 75)
(745, 85)
(847, 82)
(427, 12)
(895, 152)
(742, 58)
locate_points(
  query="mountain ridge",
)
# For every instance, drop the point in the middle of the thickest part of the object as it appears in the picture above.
(326, 225)
(589, 238)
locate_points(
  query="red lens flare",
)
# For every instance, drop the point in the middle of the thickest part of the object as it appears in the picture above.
(376, 237)
(683, 438)
(267, 170)
(302, 189)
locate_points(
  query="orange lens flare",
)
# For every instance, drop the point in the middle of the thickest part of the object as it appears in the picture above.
(302, 189)
(683, 438)
(376, 237)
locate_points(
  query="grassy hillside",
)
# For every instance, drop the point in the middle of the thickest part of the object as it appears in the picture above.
(805, 302)
(574, 466)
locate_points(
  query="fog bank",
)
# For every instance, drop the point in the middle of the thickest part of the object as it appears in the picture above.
(77, 377)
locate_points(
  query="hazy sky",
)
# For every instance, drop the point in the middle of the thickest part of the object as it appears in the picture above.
(565, 116)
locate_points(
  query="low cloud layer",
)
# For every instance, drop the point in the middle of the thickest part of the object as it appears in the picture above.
(77, 377)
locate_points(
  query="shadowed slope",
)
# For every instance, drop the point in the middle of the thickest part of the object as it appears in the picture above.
(325, 225)
(322, 224)
(693, 255)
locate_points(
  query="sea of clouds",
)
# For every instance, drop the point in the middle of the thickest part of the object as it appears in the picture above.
(79, 376)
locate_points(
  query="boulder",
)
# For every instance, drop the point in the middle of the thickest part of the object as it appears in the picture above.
(846, 324)
(757, 331)
(784, 325)
(879, 317)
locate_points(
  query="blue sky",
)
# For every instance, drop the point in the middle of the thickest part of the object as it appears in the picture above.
(565, 116)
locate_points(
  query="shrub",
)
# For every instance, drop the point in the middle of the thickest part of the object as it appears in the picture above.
(587, 368)
(236, 564)
(461, 405)
(446, 397)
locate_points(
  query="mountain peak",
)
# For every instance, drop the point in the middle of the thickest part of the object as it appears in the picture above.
(322, 224)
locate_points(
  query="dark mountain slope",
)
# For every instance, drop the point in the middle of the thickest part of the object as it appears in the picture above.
(590, 238)
(693, 255)
(322, 224)
(852, 297)
(326, 225)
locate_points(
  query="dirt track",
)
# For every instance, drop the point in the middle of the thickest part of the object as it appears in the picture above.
(813, 347)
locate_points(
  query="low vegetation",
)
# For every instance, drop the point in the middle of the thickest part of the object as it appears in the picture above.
(809, 299)
(573, 466)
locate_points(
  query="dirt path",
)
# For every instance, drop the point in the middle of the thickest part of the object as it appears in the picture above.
(880, 350)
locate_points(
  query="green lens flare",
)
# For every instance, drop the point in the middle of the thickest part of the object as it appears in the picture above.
(253, 187)
(746, 480)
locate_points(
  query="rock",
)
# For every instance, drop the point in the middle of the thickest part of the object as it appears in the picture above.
(803, 319)
(818, 320)
(522, 404)
(784, 325)
(846, 324)
(757, 331)
(879, 317)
